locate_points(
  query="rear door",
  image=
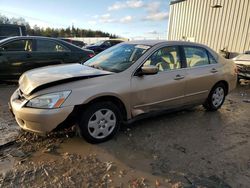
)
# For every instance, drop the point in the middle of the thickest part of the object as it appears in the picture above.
(202, 73)
(163, 90)
(13, 55)
(47, 52)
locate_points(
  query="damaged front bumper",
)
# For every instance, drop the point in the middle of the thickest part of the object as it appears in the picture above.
(37, 120)
(243, 71)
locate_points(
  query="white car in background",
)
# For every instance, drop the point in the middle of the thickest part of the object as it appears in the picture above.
(243, 63)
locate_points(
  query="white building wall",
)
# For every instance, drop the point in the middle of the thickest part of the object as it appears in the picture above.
(200, 21)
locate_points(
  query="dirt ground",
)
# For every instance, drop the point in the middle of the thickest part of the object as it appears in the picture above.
(190, 148)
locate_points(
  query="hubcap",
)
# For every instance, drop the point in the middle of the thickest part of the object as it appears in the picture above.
(102, 123)
(218, 96)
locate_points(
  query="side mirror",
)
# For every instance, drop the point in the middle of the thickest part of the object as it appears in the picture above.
(148, 70)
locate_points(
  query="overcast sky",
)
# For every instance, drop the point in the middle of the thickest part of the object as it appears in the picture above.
(126, 18)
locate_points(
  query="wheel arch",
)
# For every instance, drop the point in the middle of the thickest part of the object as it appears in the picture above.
(110, 98)
(225, 83)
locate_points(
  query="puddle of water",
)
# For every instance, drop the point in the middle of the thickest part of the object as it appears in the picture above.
(128, 166)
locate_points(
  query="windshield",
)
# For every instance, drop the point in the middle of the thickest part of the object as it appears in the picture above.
(99, 43)
(117, 58)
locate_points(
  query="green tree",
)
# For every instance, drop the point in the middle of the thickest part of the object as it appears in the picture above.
(53, 32)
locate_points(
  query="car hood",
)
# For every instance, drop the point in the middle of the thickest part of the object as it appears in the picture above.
(243, 59)
(41, 78)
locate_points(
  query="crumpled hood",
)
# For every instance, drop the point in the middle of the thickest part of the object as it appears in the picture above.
(52, 75)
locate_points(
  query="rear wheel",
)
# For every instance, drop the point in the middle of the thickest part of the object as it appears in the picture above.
(100, 122)
(216, 97)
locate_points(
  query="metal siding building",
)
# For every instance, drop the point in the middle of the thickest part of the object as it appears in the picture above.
(216, 23)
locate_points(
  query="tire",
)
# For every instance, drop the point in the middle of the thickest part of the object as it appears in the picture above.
(100, 122)
(215, 98)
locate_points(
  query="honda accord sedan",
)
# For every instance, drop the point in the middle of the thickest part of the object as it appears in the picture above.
(126, 82)
(19, 54)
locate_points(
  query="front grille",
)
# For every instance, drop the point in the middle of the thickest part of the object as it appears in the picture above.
(243, 68)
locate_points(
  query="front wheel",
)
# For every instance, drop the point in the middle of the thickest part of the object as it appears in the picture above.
(100, 122)
(216, 97)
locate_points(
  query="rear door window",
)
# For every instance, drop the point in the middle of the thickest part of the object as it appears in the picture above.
(196, 56)
(50, 46)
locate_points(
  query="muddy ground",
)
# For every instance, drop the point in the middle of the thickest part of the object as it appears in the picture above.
(190, 148)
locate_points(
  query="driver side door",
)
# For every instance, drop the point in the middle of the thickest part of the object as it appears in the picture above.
(13, 55)
(163, 90)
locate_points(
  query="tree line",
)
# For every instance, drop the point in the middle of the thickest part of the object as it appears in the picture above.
(55, 32)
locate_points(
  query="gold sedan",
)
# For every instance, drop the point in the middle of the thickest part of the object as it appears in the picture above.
(121, 84)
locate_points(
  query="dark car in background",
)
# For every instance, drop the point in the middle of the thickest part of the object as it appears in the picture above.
(75, 42)
(103, 45)
(19, 54)
(10, 30)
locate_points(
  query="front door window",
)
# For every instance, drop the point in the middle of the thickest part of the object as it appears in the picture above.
(18, 45)
(165, 59)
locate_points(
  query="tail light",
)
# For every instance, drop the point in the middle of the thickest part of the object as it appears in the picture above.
(91, 55)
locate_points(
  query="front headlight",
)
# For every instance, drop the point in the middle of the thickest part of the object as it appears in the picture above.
(51, 100)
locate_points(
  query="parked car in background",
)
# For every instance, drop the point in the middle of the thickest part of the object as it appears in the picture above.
(243, 63)
(103, 45)
(121, 84)
(19, 54)
(10, 30)
(75, 42)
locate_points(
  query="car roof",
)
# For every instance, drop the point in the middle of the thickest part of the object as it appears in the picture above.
(140, 42)
(69, 45)
(31, 37)
(115, 40)
(167, 42)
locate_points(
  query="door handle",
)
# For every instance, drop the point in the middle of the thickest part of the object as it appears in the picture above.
(214, 70)
(179, 77)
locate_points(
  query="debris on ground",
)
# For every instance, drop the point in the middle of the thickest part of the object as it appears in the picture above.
(81, 171)
(138, 183)
(246, 100)
(152, 153)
